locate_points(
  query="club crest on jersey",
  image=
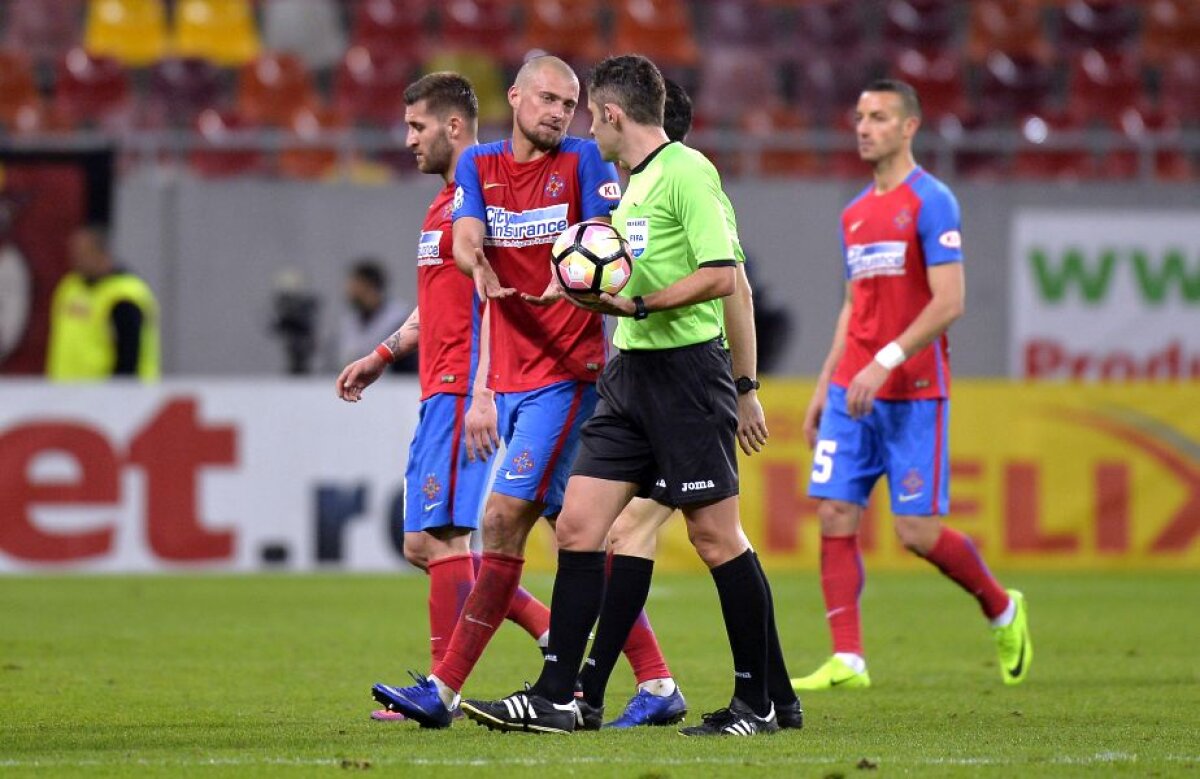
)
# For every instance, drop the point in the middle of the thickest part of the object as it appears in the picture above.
(522, 463)
(610, 190)
(637, 232)
(556, 185)
(431, 487)
(903, 219)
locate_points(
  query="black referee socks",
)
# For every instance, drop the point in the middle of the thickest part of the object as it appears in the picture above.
(779, 686)
(624, 599)
(574, 607)
(743, 594)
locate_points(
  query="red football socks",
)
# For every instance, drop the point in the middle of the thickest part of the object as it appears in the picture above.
(956, 556)
(489, 602)
(450, 583)
(842, 582)
(527, 611)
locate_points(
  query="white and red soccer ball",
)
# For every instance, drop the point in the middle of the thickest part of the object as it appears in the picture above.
(590, 258)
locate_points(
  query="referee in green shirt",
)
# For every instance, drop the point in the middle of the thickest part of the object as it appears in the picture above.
(668, 408)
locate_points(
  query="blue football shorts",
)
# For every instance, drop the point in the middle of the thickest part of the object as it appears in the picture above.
(904, 439)
(442, 487)
(540, 429)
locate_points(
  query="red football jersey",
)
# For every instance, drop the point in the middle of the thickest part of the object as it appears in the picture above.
(525, 205)
(889, 242)
(448, 340)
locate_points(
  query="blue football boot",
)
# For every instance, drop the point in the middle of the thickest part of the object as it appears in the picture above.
(645, 708)
(420, 702)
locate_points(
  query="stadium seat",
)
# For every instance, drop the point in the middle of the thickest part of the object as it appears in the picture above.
(220, 30)
(180, 89)
(827, 28)
(1013, 27)
(737, 23)
(392, 28)
(218, 153)
(272, 88)
(734, 81)
(938, 79)
(830, 86)
(923, 24)
(309, 153)
(659, 29)
(44, 31)
(1097, 24)
(133, 32)
(1169, 27)
(483, 25)
(1142, 126)
(485, 74)
(370, 90)
(568, 28)
(1039, 155)
(1102, 85)
(92, 91)
(20, 103)
(310, 29)
(1013, 86)
(1181, 88)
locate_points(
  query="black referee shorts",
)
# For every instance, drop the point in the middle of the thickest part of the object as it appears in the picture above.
(668, 414)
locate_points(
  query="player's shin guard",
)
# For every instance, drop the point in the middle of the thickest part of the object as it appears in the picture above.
(574, 607)
(450, 582)
(956, 557)
(625, 595)
(779, 685)
(485, 608)
(842, 582)
(744, 607)
(526, 610)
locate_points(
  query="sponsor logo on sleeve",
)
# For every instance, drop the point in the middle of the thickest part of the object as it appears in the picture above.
(951, 239)
(610, 190)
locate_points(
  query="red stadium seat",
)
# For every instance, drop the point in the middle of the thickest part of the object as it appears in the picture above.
(924, 24)
(830, 86)
(737, 23)
(369, 89)
(180, 89)
(1104, 85)
(219, 154)
(272, 88)
(659, 29)
(1013, 27)
(392, 28)
(1097, 24)
(92, 91)
(20, 103)
(309, 153)
(1039, 156)
(567, 28)
(1181, 88)
(1014, 86)
(733, 82)
(43, 30)
(1140, 127)
(485, 25)
(938, 79)
(828, 27)
(1169, 27)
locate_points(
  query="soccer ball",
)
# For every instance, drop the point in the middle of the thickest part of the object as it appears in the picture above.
(590, 258)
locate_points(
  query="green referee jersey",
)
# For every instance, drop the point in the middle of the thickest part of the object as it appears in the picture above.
(676, 219)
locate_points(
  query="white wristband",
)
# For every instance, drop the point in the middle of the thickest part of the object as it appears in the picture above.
(890, 356)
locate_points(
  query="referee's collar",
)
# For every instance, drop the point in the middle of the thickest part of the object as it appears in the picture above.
(649, 158)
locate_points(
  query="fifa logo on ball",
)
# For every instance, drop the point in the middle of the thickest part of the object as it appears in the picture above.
(590, 258)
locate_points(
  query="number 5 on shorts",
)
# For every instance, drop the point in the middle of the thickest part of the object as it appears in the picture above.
(823, 461)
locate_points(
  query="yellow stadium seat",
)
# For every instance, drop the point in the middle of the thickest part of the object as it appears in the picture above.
(483, 71)
(219, 30)
(133, 32)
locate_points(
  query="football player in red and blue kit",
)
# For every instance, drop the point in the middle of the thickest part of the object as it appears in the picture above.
(881, 406)
(444, 484)
(512, 200)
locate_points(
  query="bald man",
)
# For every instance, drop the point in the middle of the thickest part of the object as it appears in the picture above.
(513, 198)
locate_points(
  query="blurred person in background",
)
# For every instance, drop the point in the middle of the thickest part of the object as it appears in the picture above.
(370, 316)
(104, 320)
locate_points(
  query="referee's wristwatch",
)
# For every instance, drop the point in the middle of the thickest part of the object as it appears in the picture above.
(639, 308)
(744, 384)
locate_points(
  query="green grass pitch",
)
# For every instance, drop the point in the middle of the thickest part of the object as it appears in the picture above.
(220, 676)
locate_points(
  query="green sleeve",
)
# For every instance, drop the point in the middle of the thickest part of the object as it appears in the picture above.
(700, 205)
